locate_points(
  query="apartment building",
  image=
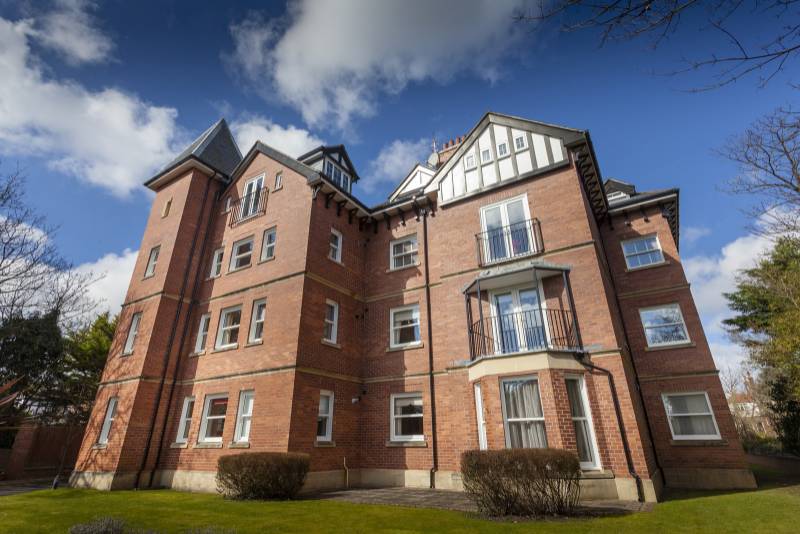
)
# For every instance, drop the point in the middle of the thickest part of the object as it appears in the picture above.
(503, 296)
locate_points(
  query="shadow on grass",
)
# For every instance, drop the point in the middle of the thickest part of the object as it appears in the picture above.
(770, 473)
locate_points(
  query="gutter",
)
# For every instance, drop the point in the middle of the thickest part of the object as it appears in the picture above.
(431, 385)
(157, 404)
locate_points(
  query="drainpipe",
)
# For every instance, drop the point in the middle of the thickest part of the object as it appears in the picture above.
(612, 386)
(157, 404)
(434, 444)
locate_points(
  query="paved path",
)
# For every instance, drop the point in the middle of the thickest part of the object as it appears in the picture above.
(457, 500)
(13, 487)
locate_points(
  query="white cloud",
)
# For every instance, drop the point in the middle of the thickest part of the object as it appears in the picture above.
(393, 163)
(108, 138)
(713, 275)
(330, 60)
(691, 234)
(70, 30)
(290, 140)
(116, 271)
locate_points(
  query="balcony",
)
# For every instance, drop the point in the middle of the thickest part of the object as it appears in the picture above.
(526, 331)
(249, 206)
(519, 308)
(505, 243)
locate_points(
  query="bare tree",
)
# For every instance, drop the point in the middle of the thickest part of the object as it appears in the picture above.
(659, 19)
(33, 275)
(768, 157)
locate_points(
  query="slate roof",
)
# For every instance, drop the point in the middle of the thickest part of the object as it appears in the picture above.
(215, 147)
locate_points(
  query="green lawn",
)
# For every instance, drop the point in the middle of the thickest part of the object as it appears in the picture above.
(774, 508)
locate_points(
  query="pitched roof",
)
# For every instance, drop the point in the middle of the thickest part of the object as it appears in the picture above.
(215, 148)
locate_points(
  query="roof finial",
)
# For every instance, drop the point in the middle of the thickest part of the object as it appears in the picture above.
(434, 144)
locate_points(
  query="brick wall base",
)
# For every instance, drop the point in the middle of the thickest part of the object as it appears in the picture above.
(708, 478)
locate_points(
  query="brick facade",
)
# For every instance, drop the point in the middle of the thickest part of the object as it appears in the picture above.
(287, 370)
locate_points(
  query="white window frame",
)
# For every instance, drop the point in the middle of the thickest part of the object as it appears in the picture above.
(503, 144)
(519, 326)
(202, 438)
(682, 437)
(470, 156)
(228, 204)
(278, 181)
(506, 420)
(216, 263)
(133, 331)
(267, 248)
(524, 142)
(240, 436)
(504, 218)
(165, 209)
(414, 253)
(393, 416)
(254, 320)
(334, 323)
(235, 256)
(186, 420)
(481, 421)
(615, 195)
(221, 328)
(335, 253)
(328, 437)
(393, 329)
(108, 421)
(682, 323)
(587, 418)
(642, 238)
(251, 204)
(201, 340)
(152, 261)
(488, 158)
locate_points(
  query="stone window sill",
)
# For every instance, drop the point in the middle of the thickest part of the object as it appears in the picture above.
(225, 349)
(406, 347)
(410, 443)
(178, 445)
(208, 445)
(266, 260)
(324, 444)
(254, 343)
(699, 442)
(596, 474)
(239, 445)
(671, 347)
(196, 354)
(331, 344)
(645, 267)
(99, 446)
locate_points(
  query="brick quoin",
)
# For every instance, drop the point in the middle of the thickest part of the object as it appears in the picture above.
(581, 269)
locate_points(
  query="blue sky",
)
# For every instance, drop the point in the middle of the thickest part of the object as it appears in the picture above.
(96, 97)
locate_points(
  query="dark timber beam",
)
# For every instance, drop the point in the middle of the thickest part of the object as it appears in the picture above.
(328, 199)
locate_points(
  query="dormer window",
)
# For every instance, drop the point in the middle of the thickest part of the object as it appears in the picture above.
(617, 195)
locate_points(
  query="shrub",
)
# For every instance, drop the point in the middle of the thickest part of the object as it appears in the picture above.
(106, 525)
(525, 482)
(262, 475)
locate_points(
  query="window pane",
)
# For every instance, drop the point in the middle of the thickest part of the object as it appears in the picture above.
(408, 406)
(582, 441)
(575, 398)
(215, 428)
(330, 312)
(408, 426)
(324, 404)
(666, 334)
(233, 317)
(694, 425)
(682, 404)
(322, 426)
(527, 434)
(522, 399)
(217, 407)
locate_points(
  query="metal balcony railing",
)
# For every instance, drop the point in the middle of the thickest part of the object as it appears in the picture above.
(249, 206)
(526, 331)
(508, 242)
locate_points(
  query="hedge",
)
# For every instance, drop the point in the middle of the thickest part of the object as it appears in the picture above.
(262, 475)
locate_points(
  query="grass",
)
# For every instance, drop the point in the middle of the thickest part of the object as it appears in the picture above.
(773, 508)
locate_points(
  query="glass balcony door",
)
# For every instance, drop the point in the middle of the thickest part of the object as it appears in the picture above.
(517, 321)
(251, 196)
(506, 230)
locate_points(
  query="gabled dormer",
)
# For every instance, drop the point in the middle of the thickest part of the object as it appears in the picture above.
(334, 163)
(414, 181)
(498, 150)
